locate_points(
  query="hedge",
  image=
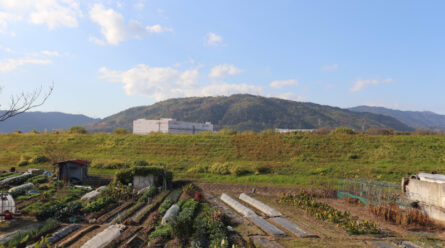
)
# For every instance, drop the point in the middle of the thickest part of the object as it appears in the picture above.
(125, 176)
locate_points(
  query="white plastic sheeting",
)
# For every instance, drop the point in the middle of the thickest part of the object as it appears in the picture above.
(11, 179)
(105, 237)
(59, 235)
(269, 211)
(93, 194)
(434, 178)
(170, 214)
(7, 203)
(240, 208)
(22, 187)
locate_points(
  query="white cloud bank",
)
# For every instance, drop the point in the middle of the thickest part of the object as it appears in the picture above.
(362, 83)
(11, 64)
(222, 71)
(162, 83)
(52, 13)
(115, 30)
(283, 83)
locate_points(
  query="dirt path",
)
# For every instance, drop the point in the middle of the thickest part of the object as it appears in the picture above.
(87, 237)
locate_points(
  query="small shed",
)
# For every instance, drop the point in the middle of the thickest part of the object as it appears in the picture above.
(75, 170)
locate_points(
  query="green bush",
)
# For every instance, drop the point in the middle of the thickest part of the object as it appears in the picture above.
(77, 130)
(22, 163)
(110, 164)
(140, 162)
(39, 159)
(125, 176)
(220, 168)
(259, 170)
(227, 131)
(120, 131)
(237, 170)
(199, 168)
(343, 130)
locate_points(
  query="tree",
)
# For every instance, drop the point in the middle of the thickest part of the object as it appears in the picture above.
(24, 102)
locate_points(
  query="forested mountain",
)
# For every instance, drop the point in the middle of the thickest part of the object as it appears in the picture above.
(248, 112)
(416, 119)
(43, 120)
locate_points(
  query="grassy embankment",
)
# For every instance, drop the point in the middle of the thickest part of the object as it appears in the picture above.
(294, 159)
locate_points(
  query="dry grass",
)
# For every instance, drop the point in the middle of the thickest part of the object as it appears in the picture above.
(406, 217)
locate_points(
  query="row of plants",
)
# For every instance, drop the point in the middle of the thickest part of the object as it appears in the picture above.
(149, 193)
(149, 208)
(323, 211)
(21, 239)
(210, 226)
(228, 168)
(169, 200)
(97, 204)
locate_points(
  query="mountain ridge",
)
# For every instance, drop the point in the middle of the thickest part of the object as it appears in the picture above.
(42, 121)
(416, 119)
(248, 112)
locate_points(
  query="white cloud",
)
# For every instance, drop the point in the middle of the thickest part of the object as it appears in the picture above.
(213, 39)
(50, 53)
(52, 13)
(362, 83)
(97, 41)
(221, 71)
(283, 83)
(333, 67)
(114, 28)
(162, 83)
(11, 64)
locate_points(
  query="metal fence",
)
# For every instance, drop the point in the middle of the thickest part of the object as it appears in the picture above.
(370, 192)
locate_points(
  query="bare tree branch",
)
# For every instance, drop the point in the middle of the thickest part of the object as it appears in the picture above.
(24, 102)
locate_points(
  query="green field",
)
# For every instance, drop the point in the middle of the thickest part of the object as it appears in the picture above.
(290, 159)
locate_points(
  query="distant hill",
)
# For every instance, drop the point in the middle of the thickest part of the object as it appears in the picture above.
(416, 119)
(43, 120)
(248, 112)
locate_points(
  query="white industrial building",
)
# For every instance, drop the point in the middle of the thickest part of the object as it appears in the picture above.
(143, 126)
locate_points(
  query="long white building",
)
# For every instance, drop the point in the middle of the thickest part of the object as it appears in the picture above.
(143, 126)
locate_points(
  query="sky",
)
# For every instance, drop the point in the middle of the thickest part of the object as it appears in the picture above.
(103, 57)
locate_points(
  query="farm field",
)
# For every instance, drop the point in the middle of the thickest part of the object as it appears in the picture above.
(192, 215)
(293, 159)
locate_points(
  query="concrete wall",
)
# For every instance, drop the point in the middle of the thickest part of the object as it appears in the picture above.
(140, 182)
(428, 192)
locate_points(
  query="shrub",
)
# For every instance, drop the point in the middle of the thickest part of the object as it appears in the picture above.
(379, 131)
(220, 168)
(237, 170)
(343, 130)
(77, 130)
(39, 159)
(227, 131)
(140, 163)
(126, 176)
(110, 164)
(17, 132)
(259, 170)
(120, 131)
(22, 163)
(199, 168)
(324, 130)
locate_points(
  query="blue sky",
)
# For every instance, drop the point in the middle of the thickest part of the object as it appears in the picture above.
(106, 56)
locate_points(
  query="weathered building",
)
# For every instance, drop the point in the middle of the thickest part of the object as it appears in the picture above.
(143, 126)
(75, 170)
(428, 192)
